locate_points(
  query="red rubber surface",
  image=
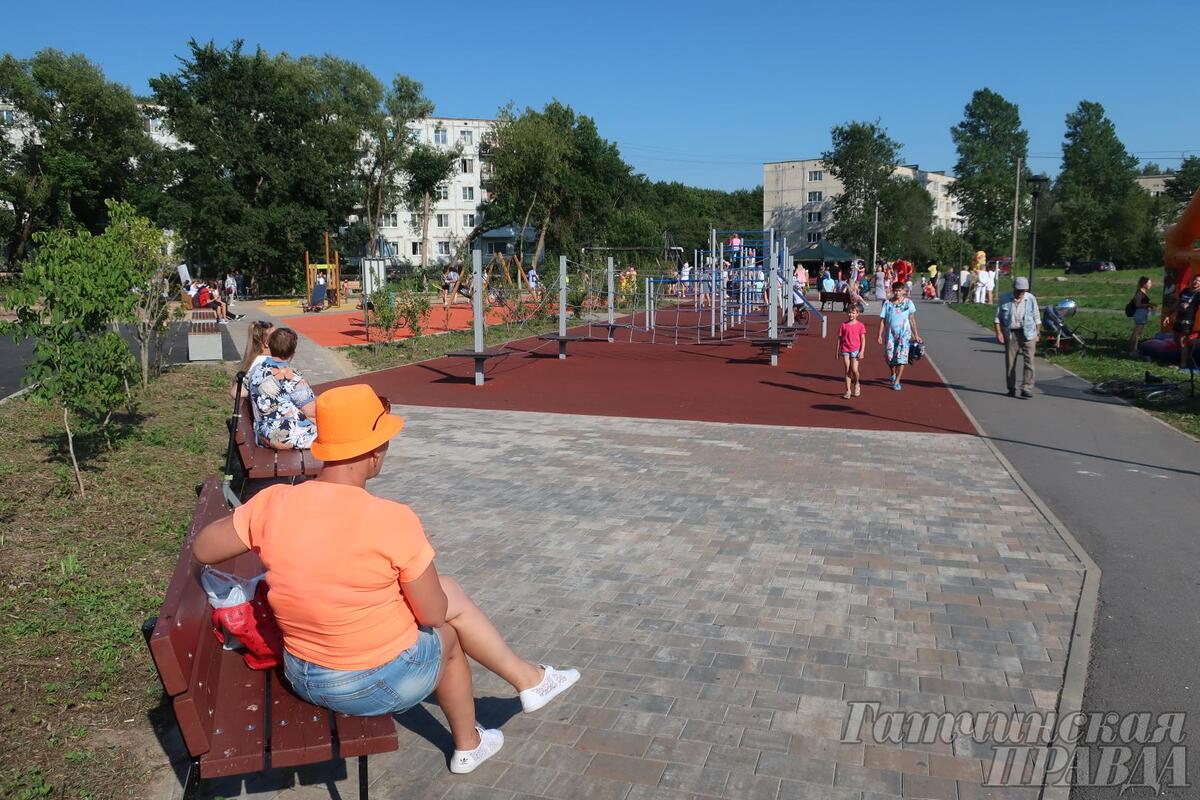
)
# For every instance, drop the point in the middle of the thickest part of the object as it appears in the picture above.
(720, 382)
(338, 328)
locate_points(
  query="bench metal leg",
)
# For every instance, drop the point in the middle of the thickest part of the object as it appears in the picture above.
(562, 349)
(191, 784)
(364, 788)
(774, 355)
(479, 362)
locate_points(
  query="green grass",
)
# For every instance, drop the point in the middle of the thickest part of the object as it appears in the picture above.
(78, 575)
(408, 351)
(1096, 290)
(1107, 358)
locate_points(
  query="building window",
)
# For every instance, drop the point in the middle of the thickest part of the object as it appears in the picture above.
(814, 237)
(440, 136)
(443, 192)
(814, 216)
(466, 137)
(493, 248)
(389, 220)
(468, 220)
(443, 220)
(416, 248)
(443, 248)
(8, 117)
(468, 165)
(414, 220)
(815, 197)
(816, 175)
(468, 192)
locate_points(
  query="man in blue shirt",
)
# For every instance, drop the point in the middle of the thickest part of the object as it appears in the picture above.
(1017, 319)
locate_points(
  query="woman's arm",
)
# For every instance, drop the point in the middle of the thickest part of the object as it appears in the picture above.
(218, 542)
(426, 598)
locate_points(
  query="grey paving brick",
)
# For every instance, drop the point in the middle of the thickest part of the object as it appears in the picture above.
(716, 628)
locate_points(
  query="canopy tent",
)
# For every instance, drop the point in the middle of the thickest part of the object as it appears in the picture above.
(823, 252)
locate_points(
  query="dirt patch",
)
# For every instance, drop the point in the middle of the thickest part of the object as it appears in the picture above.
(81, 701)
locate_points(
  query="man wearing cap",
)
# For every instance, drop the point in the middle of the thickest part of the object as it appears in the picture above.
(368, 626)
(1016, 322)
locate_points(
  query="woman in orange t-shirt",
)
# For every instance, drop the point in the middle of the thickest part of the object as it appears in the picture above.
(368, 625)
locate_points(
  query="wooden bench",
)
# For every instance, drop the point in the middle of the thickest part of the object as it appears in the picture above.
(563, 341)
(267, 462)
(835, 297)
(234, 720)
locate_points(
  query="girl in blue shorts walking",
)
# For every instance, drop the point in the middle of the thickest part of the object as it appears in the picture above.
(898, 326)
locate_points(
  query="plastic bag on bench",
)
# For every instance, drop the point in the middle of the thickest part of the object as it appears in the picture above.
(241, 617)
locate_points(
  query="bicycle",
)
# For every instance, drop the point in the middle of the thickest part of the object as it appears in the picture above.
(1153, 391)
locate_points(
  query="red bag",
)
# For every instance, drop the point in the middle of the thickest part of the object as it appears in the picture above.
(250, 622)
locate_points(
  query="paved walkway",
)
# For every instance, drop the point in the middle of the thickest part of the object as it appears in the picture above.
(318, 364)
(727, 590)
(1128, 488)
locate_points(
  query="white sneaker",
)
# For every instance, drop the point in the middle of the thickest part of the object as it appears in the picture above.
(464, 761)
(554, 682)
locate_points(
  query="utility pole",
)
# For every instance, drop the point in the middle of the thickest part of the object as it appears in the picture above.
(1016, 218)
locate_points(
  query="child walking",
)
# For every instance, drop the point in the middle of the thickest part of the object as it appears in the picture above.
(851, 349)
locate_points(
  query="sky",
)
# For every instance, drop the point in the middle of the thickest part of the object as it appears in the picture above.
(702, 92)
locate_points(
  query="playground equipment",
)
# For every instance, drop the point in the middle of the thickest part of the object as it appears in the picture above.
(746, 296)
(320, 296)
(1181, 259)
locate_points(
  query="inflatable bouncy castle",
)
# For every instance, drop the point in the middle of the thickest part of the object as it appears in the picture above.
(1182, 263)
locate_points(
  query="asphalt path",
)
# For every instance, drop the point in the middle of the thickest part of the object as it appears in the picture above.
(15, 356)
(1128, 489)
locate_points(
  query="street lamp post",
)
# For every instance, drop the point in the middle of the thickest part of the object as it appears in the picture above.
(1036, 183)
(875, 240)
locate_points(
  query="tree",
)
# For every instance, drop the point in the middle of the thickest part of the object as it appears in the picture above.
(426, 168)
(64, 301)
(905, 220)
(1184, 184)
(1096, 190)
(77, 141)
(388, 142)
(138, 261)
(863, 158)
(272, 155)
(949, 248)
(989, 139)
(554, 167)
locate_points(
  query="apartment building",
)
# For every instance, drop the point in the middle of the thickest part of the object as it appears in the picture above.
(1153, 185)
(454, 212)
(798, 198)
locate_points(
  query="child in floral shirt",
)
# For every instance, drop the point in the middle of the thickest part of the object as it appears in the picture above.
(283, 402)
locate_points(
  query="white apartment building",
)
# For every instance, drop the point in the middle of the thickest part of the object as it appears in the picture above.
(454, 212)
(798, 198)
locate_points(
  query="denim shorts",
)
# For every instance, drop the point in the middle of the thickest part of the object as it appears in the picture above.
(389, 688)
(852, 353)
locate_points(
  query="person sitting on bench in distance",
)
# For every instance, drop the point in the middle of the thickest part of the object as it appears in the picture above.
(369, 627)
(283, 402)
(256, 351)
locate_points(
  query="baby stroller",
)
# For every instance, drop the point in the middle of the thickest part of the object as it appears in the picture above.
(1060, 337)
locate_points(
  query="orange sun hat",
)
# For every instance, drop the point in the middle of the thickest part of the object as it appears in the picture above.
(352, 420)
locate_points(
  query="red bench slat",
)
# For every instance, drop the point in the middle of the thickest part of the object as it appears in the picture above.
(299, 731)
(266, 462)
(181, 617)
(365, 736)
(238, 741)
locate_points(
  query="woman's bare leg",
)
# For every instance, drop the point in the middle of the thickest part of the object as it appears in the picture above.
(482, 642)
(454, 691)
